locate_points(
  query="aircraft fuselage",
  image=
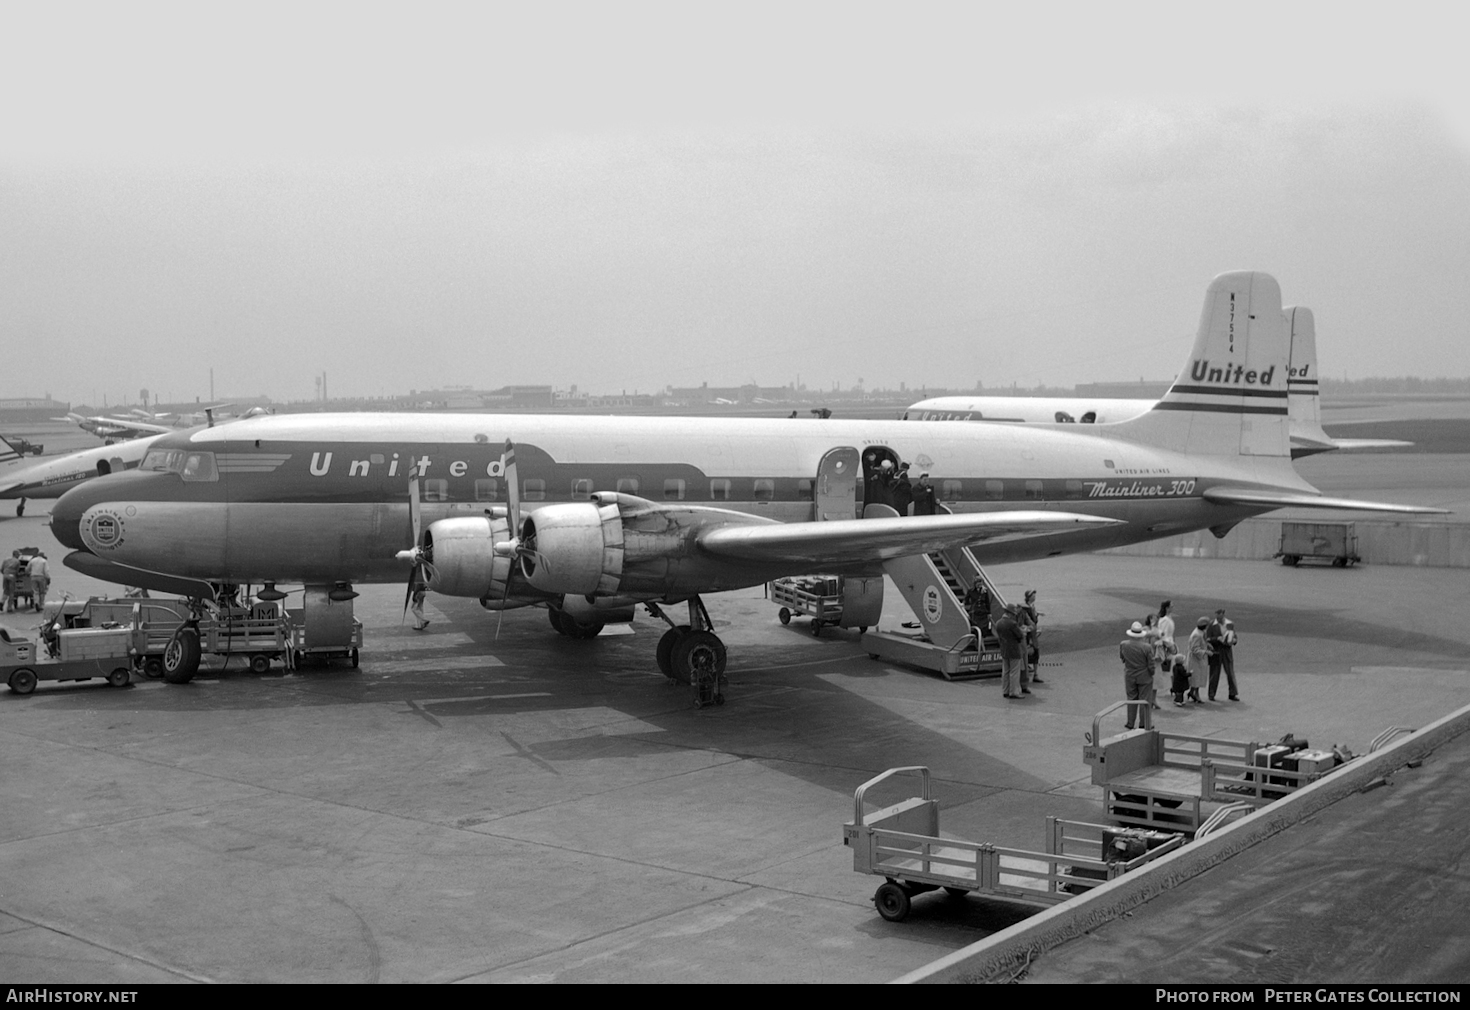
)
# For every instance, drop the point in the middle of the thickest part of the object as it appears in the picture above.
(323, 498)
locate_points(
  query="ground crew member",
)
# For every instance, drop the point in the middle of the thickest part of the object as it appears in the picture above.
(11, 568)
(420, 622)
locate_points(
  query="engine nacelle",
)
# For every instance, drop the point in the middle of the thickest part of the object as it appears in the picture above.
(578, 548)
(464, 559)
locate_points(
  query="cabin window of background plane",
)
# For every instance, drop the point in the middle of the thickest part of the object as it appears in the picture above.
(533, 489)
(582, 489)
(764, 489)
(674, 489)
(719, 489)
(627, 485)
(1074, 489)
(487, 489)
(436, 489)
(995, 490)
(951, 490)
(804, 489)
(1033, 489)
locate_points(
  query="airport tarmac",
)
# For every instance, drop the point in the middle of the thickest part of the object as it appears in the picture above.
(533, 808)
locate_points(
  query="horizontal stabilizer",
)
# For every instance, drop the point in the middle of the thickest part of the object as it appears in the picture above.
(854, 541)
(1349, 444)
(1297, 499)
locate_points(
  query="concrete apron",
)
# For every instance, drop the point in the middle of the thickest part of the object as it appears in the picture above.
(1002, 955)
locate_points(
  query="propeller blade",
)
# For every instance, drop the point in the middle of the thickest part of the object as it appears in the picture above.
(414, 553)
(513, 487)
(415, 516)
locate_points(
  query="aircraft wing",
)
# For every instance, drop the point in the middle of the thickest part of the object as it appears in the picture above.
(122, 424)
(8, 451)
(853, 541)
(1298, 499)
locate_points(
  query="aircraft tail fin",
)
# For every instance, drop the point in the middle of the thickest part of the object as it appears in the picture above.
(1231, 396)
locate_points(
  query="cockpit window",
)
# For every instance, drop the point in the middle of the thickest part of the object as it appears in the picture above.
(191, 466)
(163, 460)
(199, 466)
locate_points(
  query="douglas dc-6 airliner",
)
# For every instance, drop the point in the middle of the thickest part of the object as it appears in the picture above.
(592, 516)
(1304, 407)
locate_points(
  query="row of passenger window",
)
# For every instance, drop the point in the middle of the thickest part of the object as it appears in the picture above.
(760, 489)
(674, 489)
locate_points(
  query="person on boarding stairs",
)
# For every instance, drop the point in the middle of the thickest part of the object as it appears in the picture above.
(923, 496)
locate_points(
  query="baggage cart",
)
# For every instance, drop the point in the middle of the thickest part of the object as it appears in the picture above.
(1332, 542)
(262, 631)
(816, 596)
(1175, 782)
(902, 844)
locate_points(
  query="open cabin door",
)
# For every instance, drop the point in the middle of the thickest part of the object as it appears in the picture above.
(835, 494)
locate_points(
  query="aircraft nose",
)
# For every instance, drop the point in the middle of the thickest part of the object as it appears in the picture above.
(66, 516)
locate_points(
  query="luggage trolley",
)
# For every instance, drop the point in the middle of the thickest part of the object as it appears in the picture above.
(816, 596)
(901, 843)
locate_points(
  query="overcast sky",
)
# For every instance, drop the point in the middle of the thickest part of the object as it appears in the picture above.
(630, 196)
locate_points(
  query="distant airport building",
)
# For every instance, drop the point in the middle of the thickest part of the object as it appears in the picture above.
(27, 410)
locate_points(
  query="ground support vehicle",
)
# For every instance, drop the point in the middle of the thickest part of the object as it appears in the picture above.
(902, 844)
(1174, 782)
(157, 619)
(1333, 542)
(324, 628)
(819, 597)
(76, 654)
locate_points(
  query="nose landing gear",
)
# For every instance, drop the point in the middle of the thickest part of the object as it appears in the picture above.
(693, 654)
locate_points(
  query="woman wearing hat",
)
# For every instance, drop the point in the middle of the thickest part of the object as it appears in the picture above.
(1199, 658)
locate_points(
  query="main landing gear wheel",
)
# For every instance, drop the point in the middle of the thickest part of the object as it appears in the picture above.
(260, 663)
(23, 681)
(699, 661)
(181, 656)
(120, 677)
(557, 620)
(893, 902)
(664, 654)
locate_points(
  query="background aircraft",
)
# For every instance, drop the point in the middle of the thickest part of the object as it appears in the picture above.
(1303, 403)
(603, 514)
(115, 429)
(53, 476)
